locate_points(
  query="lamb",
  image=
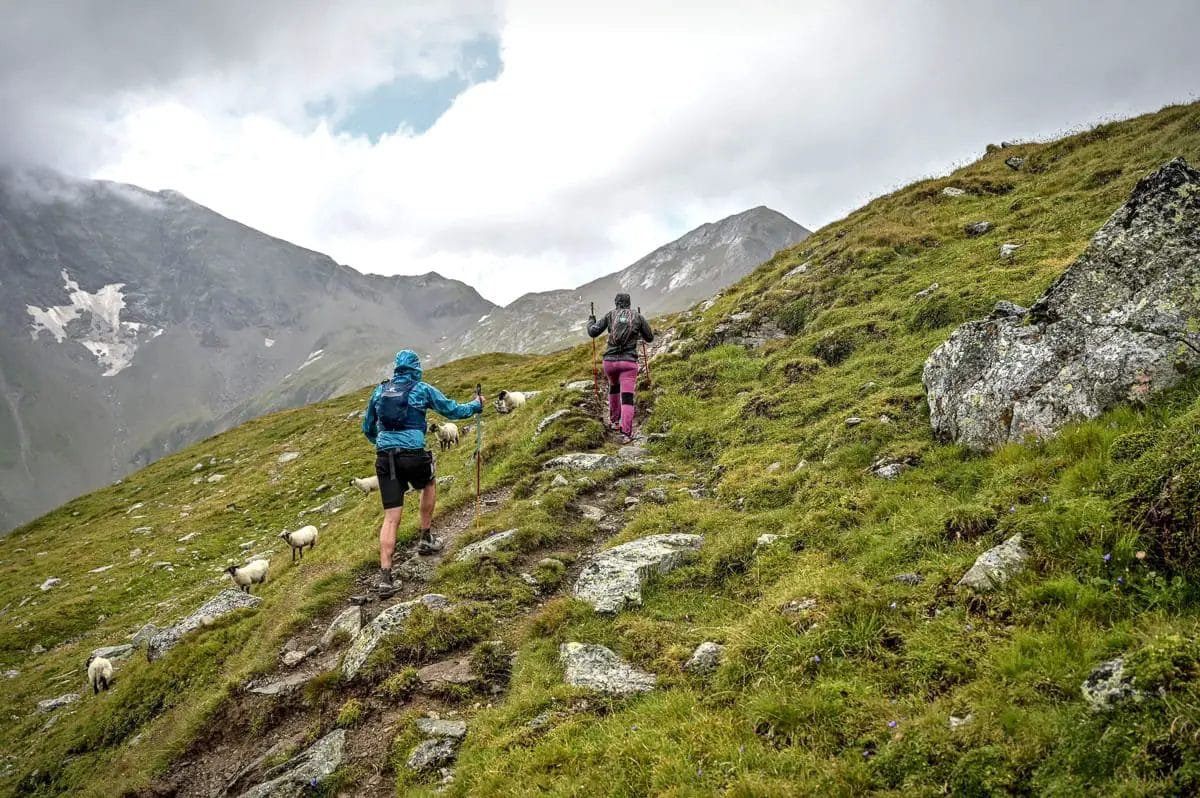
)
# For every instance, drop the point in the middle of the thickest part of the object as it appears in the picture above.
(447, 434)
(298, 539)
(366, 484)
(100, 672)
(252, 573)
(508, 401)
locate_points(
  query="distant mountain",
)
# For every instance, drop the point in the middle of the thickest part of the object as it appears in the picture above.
(669, 279)
(134, 322)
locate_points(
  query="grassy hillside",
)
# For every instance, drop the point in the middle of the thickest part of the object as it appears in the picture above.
(850, 697)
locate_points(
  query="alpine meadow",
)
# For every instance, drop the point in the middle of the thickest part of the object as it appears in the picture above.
(786, 502)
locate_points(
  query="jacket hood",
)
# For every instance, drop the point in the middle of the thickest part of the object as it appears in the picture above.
(408, 365)
(622, 300)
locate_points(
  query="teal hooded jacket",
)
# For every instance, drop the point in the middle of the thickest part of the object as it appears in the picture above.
(423, 397)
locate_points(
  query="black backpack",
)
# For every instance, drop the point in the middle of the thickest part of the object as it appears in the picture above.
(623, 327)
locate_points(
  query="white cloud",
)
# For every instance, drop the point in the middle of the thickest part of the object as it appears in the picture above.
(611, 131)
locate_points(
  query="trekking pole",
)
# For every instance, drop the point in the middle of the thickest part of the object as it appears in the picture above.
(478, 450)
(595, 372)
(645, 356)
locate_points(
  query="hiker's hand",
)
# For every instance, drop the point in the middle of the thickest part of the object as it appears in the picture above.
(482, 402)
(591, 319)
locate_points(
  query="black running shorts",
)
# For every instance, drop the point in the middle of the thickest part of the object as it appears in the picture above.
(400, 469)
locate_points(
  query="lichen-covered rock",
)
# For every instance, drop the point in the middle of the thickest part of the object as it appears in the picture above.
(220, 605)
(433, 753)
(114, 652)
(300, 774)
(615, 576)
(433, 727)
(447, 672)
(996, 566)
(142, 637)
(1114, 327)
(550, 419)
(348, 623)
(598, 668)
(489, 545)
(583, 461)
(1109, 685)
(706, 658)
(370, 636)
(51, 704)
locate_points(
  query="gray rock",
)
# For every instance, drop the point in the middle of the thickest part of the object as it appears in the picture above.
(799, 606)
(1014, 162)
(369, 638)
(279, 686)
(765, 540)
(615, 577)
(706, 658)
(924, 292)
(631, 453)
(598, 668)
(295, 777)
(197, 467)
(100, 569)
(996, 566)
(287, 457)
(433, 753)
(51, 704)
(113, 652)
(957, 723)
(189, 537)
(347, 623)
(582, 461)
(977, 229)
(799, 270)
(291, 659)
(1007, 251)
(1005, 309)
(550, 419)
(215, 478)
(417, 568)
(489, 545)
(1111, 329)
(220, 605)
(559, 481)
(888, 470)
(853, 421)
(909, 579)
(330, 507)
(37, 648)
(433, 727)
(11, 673)
(142, 637)
(1109, 685)
(657, 495)
(591, 512)
(579, 385)
(447, 672)
(53, 581)
(951, 191)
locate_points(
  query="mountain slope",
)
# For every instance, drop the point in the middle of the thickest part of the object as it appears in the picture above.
(837, 676)
(134, 322)
(674, 276)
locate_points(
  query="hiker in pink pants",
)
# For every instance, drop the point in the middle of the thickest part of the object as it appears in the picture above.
(625, 329)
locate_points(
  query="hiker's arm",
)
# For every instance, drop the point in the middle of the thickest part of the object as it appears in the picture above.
(597, 327)
(368, 422)
(647, 333)
(450, 408)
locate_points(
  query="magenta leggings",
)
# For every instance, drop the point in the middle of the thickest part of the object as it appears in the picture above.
(622, 382)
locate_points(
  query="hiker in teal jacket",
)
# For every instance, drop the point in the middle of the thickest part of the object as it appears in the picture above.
(395, 423)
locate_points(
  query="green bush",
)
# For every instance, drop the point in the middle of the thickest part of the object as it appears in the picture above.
(491, 663)
(400, 685)
(1132, 445)
(350, 713)
(983, 773)
(969, 522)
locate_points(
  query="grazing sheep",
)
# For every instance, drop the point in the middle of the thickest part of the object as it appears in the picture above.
(298, 539)
(508, 401)
(100, 672)
(366, 484)
(447, 434)
(252, 573)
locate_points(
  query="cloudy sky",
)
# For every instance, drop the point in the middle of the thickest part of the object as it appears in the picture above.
(534, 144)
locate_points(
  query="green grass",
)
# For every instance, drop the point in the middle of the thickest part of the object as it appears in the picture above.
(851, 697)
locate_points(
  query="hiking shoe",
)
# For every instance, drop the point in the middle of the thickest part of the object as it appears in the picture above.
(385, 586)
(428, 543)
(626, 440)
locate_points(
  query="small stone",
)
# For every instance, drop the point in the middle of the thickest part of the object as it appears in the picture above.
(249, 544)
(1014, 162)
(799, 270)
(765, 540)
(197, 467)
(909, 579)
(38, 648)
(298, 775)
(657, 495)
(977, 229)
(591, 512)
(615, 577)
(51, 704)
(162, 564)
(324, 487)
(885, 419)
(951, 191)
(773, 468)
(433, 727)
(550, 419)
(1109, 685)
(489, 545)
(798, 606)
(11, 674)
(889, 470)
(143, 530)
(996, 566)
(924, 292)
(559, 481)
(190, 536)
(433, 753)
(853, 421)
(583, 462)
(706, 658)
(447, 672)
(957, 723)
(113, 652)
(53, 581)
(287, 457)
(135, 553)
(632, 501)
(598, 668)
(1008, 250)
(291, 659)
(213, 478)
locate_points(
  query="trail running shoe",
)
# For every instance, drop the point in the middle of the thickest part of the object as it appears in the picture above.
(385, 587)
(428, 543)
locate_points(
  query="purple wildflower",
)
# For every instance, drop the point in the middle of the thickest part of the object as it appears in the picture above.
(891, 724)
(1120, 580)
(969, 628)
(1107, 556)
(892, 605)
(816, 658)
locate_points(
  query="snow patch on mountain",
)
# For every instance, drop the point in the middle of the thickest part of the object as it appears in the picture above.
(313, 357)
(111, 341)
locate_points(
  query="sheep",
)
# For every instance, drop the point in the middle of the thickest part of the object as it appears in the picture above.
(508, 401)
(365, 484)
(100, 672)
(447, 434)
(298, 539)
(252, 573)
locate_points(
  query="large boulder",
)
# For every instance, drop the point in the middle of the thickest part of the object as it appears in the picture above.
(348, 623)
(371, 635)
(598, 668)
(1113, 327)
(220, 605)
(301, 774)
(615, 577)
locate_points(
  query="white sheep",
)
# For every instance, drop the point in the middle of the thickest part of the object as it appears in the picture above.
(252, 573)
(298, 539)
(508, 401)
(365, 484)
(447, 434)
(100, 672)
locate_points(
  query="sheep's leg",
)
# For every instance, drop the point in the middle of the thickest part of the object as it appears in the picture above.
(96, 688)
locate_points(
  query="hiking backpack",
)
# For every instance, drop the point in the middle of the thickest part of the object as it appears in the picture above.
(393, 411)
(623, 327)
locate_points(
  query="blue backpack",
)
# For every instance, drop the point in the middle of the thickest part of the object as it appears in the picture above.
(393, 411)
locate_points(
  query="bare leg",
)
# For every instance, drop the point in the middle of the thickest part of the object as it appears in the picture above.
(428, 502)
(387, 535)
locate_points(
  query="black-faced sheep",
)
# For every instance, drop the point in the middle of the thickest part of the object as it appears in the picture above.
(447, 434)
(298, 539)
(100, 673)
(365, 484)
(508, 401)
(252, 573)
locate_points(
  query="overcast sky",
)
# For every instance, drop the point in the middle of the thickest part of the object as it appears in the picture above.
(535, 144)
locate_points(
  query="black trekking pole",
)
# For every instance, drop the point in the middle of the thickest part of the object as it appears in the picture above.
(645, 355)
(595, 372)
(478, 450)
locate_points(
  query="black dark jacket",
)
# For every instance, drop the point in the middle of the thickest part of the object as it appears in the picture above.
(630, 350)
